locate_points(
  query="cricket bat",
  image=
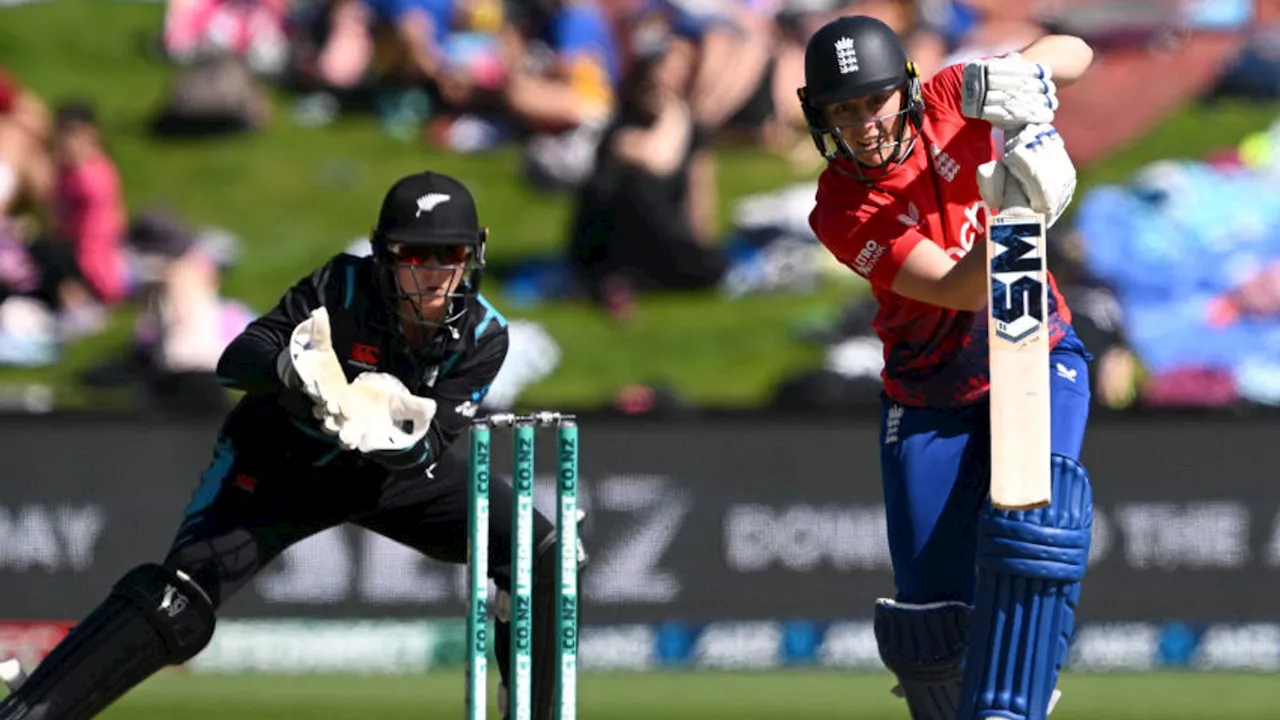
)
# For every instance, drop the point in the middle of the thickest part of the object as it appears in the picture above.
(1018, 333)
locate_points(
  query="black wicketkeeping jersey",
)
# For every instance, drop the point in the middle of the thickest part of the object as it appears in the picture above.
(273, 418)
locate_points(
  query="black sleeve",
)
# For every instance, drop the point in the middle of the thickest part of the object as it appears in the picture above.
(458, 395)
(249, 362)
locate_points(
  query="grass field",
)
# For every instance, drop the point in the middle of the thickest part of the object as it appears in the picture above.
(296, 195)
(794, 695)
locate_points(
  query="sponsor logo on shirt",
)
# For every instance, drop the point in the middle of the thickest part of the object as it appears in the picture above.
(911, 217)
(945, 164)
(972, 229)
(868, 257)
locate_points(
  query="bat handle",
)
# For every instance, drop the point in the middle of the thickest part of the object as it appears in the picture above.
(1019, 211)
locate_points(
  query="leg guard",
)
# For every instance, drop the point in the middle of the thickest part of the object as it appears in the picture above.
(924, 646)
(545, 640)
(1030, 564)
(153, 617)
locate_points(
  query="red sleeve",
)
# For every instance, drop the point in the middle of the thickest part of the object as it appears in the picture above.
(944, 89)
(874, 240)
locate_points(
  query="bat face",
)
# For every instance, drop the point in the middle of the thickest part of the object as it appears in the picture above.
(1018, 279)
(1018, 335)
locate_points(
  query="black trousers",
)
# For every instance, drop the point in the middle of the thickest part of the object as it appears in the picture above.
(254, 503)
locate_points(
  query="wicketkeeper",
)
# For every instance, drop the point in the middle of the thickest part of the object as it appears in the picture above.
(357, 385)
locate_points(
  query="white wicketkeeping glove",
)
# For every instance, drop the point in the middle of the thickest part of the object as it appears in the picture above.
(379, 414)
(1037, 162)
(309, 363)
(1008, 92)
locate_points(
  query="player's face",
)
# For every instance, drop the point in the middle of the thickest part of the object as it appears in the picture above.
(427, 276)
(869, 124)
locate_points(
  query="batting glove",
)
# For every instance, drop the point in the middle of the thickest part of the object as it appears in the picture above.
(997, 192)
(1037, 161)
(1008, 92)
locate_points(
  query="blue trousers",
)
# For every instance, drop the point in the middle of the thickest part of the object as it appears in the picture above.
(935, 466)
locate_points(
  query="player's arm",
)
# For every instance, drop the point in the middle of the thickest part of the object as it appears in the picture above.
(457, 396)
(878, 245)
(251, 362)
(1066, 56)
(930, 276)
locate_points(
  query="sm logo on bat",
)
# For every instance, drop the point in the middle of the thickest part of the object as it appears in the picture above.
(1017, 302)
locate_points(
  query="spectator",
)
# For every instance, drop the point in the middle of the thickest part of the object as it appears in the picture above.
(252, 30)
(185, 322)
(740, 37)
(568, 68)
(473, 72)
(214, 95)
(26, 175)
(562, 86)
(332, 44)
(409, 31)
(633, 227)
(989, 27)
(88, 210)
(398, 41)
(43, 269)
(710, 36)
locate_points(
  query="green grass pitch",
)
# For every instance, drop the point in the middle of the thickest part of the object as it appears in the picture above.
(790, 695)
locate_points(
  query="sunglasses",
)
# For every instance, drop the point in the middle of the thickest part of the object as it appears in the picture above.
(422, 254)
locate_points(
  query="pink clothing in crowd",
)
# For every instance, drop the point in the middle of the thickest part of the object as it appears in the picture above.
(90, 213)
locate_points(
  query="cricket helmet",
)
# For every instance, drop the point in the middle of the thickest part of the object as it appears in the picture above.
(850, 57)
(428, 218)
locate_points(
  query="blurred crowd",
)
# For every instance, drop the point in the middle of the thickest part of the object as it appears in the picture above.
(70, 252)
(618, 103)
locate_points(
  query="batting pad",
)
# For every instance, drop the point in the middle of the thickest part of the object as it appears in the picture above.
(153, 617)
(1030, 564)
(924, 646)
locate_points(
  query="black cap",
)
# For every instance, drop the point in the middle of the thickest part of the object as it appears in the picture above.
(159, 231)
(74, 112)
(850, 57)
(428, 208)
